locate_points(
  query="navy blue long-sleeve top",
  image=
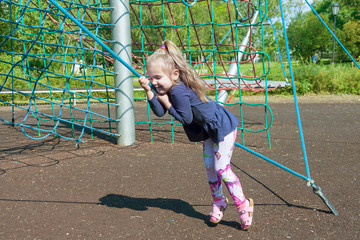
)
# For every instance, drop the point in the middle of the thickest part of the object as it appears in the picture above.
(201, 120)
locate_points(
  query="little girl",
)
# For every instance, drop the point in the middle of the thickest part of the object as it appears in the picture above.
(180, 92)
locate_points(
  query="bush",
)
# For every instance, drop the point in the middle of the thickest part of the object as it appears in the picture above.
(318, 78)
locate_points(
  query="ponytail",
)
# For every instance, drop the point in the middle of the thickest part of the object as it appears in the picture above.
(172, 57)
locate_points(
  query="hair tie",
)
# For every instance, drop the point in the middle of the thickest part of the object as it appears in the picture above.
(163, 47)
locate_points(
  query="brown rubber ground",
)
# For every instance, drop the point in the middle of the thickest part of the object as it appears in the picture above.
(50, 189)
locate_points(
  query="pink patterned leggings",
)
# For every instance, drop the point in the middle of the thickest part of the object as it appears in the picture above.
(217, 164)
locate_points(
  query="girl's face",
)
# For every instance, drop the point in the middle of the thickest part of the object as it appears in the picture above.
(160, 80)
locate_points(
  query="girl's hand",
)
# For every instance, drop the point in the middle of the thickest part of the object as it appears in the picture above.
(144, 83)
(164, 100)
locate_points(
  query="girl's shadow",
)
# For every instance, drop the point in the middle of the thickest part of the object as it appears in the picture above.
(175, 205)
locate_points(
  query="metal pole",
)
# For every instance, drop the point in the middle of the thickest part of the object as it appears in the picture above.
(223, 94)
(124, 98)
(333, 55)
(233, 66)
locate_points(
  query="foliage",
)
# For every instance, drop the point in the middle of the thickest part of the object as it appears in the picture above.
(304, 43)
(306, 36)
(325, 79)
(352, 33)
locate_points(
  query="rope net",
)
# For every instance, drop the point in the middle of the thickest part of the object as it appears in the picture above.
(210, 34)
(47, 58)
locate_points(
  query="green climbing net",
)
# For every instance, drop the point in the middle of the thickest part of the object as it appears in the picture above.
(218, 38)
(47, 58)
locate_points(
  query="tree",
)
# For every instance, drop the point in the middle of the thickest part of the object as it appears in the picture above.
(307, 35)
(352, 39)
(348, 20)
(7, 23)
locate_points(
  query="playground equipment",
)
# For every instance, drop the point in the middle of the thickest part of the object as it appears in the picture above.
(68, 52)
(49, 42)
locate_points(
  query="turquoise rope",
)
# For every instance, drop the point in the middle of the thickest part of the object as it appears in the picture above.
(295, 98)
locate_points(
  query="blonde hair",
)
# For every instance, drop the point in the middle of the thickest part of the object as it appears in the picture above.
(169, 58)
